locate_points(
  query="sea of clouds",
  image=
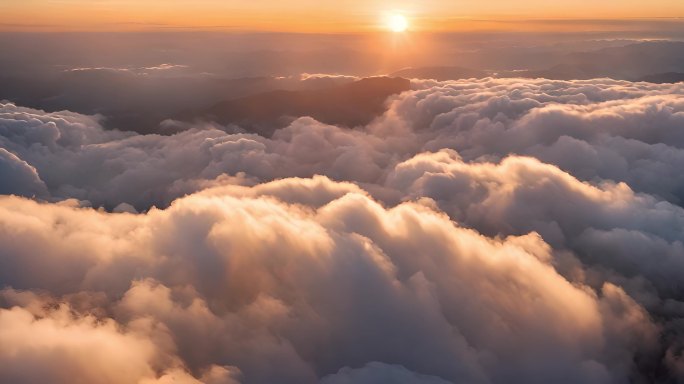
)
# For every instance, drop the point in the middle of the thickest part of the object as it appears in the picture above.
(491, 231)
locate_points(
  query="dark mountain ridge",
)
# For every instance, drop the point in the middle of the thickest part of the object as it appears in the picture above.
(349, 105)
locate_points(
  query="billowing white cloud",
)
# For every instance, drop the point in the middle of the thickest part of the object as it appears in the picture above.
(492, 231)
(233, 279)
(55, 346)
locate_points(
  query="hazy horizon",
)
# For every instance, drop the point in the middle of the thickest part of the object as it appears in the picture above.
(313, 16)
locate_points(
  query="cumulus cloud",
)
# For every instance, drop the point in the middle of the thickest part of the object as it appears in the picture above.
(491, 231)
(522, 194)
(594, 129)
(228, 279)
(55, 346)
(18, 177)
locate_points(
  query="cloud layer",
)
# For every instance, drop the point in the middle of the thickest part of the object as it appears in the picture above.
(493, 231)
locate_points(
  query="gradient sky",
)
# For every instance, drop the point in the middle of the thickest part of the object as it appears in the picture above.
(311, 15)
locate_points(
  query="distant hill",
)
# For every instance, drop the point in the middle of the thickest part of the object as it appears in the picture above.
(139, 102)
(350, 105)
(440, 73)
(630, 62)
(661, 78)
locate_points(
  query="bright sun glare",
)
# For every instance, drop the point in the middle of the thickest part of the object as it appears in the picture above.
(397, 22)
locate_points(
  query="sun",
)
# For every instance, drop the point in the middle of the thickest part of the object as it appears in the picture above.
(397, 22)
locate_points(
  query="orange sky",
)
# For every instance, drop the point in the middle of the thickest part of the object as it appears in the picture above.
(314, 15)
